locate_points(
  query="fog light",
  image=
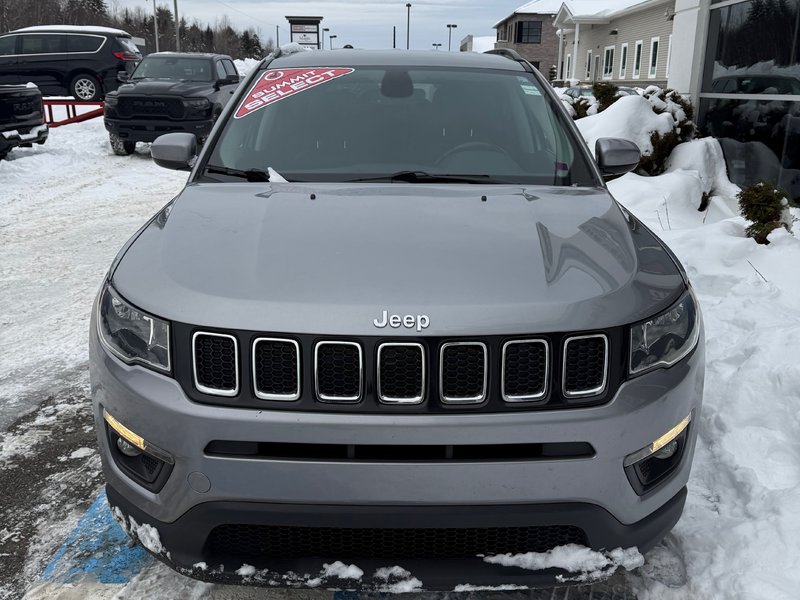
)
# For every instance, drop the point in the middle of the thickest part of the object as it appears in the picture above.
(659, 443)
(127, 448)
(135, 440)
(667, 451)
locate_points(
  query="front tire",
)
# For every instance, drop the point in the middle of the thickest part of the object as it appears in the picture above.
(85, 88)
(121, 147)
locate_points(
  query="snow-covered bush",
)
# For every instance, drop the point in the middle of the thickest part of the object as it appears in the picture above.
(767, 208)
(682, 112)
(605, 93)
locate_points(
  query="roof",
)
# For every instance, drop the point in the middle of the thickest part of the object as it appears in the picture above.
(75, 29)
(190, 54)
(399, 58)
(585, 11)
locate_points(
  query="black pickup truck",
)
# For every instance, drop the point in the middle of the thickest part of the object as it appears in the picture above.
(21, 117)
(169, 92)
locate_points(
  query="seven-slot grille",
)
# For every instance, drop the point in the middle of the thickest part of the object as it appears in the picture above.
(216, 363)
(338, 370)
(525, 370)
(463, 372)
(585, 365)
(276, 369)
(522, 370)
(401, 373)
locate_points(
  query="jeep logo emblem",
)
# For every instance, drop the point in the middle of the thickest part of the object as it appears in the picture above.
(418, 322)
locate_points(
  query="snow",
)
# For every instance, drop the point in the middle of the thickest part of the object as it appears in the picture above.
(75, 28)
(274, 176)
(246, 570)
(631, 118)
(587, 564)
(82, 453)
(148, 536)
(245, 65)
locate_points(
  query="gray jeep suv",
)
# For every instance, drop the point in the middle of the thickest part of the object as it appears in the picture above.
(394, 319)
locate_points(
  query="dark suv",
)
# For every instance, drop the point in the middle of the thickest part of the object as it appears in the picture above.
(170, 92)
(84, 62)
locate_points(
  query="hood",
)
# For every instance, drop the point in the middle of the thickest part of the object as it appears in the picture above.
(165, 87)
(267, 257)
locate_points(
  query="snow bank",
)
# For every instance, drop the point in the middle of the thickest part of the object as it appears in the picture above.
(631, 118)
(245, 65)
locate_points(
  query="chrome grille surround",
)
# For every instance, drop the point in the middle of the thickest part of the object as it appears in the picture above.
(343, 399)
(564, 363)
(209, 390)
(280, 397)
(410, 400)
(530, 397)
(463, 399)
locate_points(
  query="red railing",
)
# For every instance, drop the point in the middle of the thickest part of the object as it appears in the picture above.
(71, 107)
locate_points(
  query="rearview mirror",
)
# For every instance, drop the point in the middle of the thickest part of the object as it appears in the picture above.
(616, 156)
(176, 151)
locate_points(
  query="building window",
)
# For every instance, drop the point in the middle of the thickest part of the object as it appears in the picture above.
(637, 60)
(501, 33)
(653, 58)
(568, 70)
(669, 52)
(529, 32)
(608, 62)
(589, 65)
(623, 60)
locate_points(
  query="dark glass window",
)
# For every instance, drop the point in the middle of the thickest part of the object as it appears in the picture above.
(755, 46)
(529, 32)
(230, 69)
(84, 43)
(43, 43)
(760, 140)
(8, 45)
(220, 70)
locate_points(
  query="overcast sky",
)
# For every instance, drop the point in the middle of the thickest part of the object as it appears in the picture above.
(362, 23)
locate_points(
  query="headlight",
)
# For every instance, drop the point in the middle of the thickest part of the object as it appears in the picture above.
(130, 334)
(197, 103)
(664, 340)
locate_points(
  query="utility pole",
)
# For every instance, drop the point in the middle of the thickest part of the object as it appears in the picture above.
(155, 22)
(177, 29)
(394, 36)
(408, 26)
(450, 27)
(323, 36)
(331, 38)
(277, 37)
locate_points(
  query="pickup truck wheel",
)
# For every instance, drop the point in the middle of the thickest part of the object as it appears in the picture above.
(121, 147)
(85, 88)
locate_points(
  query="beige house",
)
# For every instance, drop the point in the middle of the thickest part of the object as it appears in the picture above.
(626, 42)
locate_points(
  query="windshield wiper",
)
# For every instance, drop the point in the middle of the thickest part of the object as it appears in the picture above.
(252, 175)
(423, 177)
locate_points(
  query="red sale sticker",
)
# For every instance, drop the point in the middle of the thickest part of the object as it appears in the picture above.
(277, 84)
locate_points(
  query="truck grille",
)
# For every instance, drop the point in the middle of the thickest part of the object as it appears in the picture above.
(401, 373)
(143, 106)
(525, 370)
(216, 363)
(373, 374)
(344, 543)
(276, 369)
(337, 367)
(585, 365)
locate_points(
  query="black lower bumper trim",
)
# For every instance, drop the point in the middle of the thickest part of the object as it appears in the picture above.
(188, 539)
(140, 130)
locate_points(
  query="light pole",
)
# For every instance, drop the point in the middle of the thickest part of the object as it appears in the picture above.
(155, 22)
(408, 26)
(437, 46)
(450, 27)
(323, 36)
(177, 29)
(331, 38)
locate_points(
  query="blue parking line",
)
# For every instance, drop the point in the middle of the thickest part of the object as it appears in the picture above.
(97, 546)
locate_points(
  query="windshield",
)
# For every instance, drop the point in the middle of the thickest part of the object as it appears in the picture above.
(343, 124)
(173, 67)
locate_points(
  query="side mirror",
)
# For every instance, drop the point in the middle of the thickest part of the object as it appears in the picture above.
(176, 151)
(616, 156)
(123, 76)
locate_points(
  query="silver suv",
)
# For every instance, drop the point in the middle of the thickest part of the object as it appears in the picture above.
(394, 319)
